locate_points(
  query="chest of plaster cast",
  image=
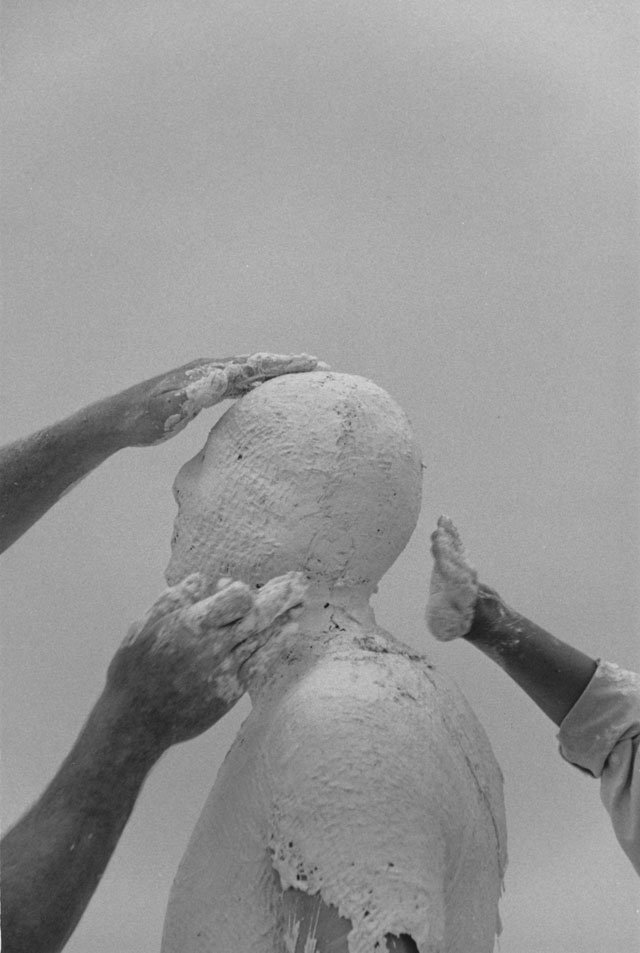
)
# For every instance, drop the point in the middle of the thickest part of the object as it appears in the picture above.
(365, 777)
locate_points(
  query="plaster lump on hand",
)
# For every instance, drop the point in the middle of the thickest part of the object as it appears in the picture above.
(360, 776)
(453, 589)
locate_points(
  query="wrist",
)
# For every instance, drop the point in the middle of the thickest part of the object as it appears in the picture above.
(494, 622)
(118, 739)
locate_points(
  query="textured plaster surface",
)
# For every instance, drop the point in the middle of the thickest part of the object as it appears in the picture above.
(213, 381)
(361, 774)
(317, 472)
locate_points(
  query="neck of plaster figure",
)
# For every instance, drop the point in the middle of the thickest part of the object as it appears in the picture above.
(350, 598)
(330, 618)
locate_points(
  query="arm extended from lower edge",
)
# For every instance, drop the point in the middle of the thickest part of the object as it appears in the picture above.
(177, 672)
(54, 857)
(552, 673)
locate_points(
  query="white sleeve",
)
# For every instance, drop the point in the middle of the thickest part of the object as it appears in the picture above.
(601, 735)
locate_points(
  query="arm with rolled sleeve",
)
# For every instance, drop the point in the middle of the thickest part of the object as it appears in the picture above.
(601, 735)
(595, 704)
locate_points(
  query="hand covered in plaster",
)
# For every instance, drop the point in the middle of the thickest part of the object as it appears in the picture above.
(157, 409)
(181, 668)
(453, 590)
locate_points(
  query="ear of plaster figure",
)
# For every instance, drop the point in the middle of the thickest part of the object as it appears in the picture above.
(361, 776)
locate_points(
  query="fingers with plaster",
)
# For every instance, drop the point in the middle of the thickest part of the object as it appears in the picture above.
(453, 589)
(271, 624)
(191, 658)
(243, 629)
(191, 603)
(230, 603)
(208, 383)
(190, 590)
(244, 375)
(156, 410)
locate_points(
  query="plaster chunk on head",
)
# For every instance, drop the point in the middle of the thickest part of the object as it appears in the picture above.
(315, 472)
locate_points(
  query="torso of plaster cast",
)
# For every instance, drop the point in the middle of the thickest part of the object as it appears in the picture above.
(360, 773)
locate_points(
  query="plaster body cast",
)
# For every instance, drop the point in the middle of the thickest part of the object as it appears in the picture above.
(361, 773)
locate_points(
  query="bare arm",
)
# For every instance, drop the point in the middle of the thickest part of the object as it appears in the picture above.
(52, 860)
(551, 672)
(37, 471)
(177, 673)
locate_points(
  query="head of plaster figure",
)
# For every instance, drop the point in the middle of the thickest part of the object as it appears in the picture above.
(316, 472)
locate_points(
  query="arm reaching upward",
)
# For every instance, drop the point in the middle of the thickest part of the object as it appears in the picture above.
(37, 471)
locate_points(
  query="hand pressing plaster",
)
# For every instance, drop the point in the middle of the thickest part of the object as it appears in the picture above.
(191, 388)
(453, 589)
(361, 777)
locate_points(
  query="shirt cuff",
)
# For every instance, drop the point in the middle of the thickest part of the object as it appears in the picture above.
(607, 712)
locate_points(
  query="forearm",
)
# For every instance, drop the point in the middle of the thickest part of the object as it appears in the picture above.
(37, 471)
(54, 857)
(552, 673)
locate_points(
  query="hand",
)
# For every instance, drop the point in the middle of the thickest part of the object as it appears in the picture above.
(157, 409)
(453, 589)
(188, 661)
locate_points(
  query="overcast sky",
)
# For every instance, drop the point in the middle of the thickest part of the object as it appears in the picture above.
(438, 196)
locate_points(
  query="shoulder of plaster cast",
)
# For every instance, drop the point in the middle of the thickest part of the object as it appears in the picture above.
(373, 756)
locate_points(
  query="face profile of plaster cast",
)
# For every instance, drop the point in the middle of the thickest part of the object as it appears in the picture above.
(361, 794)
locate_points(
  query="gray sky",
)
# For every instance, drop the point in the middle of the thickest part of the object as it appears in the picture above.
(441, 197)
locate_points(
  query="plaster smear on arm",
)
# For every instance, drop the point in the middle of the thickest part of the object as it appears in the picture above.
(208, 388)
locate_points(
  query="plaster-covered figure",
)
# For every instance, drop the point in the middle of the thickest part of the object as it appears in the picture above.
(360, 807)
